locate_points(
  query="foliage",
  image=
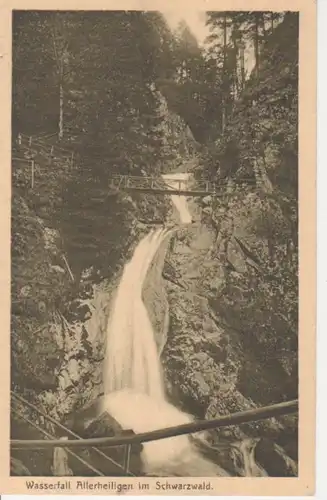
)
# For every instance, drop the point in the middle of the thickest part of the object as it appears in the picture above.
(33, 271)
(99, 80)
(260, 141)
(263, 124)
(89, 78)
(106, 65)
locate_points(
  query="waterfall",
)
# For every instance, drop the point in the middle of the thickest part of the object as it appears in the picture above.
(134, 388)
(132, 360)
(180, 202)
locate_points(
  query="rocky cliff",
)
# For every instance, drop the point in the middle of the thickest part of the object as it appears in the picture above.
(222, 353)
(233, 275)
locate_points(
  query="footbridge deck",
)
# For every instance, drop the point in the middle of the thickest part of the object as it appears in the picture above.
(169, 186)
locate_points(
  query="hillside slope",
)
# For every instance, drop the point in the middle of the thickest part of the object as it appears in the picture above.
(233, 336)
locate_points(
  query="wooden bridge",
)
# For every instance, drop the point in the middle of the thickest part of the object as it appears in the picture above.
(169, 186)
(36, 146)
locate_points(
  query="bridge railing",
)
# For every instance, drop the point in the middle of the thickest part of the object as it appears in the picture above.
(136, 182)
(193, 187)
(128, 182)
(128, 441)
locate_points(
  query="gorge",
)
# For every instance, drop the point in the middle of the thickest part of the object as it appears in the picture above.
(134, 370)
(156, 309)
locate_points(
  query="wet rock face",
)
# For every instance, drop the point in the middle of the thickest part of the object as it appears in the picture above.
(195, 349)
(274, 459)
(217, 359)
(255, 457)
(155, 296)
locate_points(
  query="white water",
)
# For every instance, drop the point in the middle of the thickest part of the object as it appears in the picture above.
(132, 360)
(180, 202)
(133, 381)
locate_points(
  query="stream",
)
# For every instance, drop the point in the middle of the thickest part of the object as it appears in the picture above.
(135, 393)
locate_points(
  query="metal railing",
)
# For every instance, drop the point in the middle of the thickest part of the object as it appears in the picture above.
(128, 441)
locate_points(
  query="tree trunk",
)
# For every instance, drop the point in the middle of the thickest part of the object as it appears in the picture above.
(61, 110)
(224, 100)
(263, 26)
(59, 58)
(256, 43)
(225, 41)
(236, 79)
(242, 67)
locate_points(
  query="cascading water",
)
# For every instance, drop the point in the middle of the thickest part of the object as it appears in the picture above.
(180, 202)
(133, 381)
(132, 358)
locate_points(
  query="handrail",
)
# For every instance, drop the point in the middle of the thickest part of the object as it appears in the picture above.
(226, 420)
(25, 160)
(39, 141)
(49, 436)
(173, 179)
(170, 185)
(62, 427)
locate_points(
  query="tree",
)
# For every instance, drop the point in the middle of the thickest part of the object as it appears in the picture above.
(219, 24)
(43, 59)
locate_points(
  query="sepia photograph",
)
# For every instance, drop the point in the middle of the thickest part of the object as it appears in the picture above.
(154, 247)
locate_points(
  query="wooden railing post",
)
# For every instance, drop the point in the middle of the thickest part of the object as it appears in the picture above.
(60, 461)
(127, 458)
(68, 269)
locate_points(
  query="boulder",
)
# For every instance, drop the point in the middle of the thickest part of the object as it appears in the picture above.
(207, 210)
(236, 257)
(207, 200)
(105, 426)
